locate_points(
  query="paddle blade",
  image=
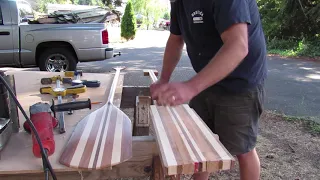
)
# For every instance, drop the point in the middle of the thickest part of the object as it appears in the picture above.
(102, 139)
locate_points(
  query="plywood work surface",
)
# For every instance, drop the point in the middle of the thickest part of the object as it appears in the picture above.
(17, 156)
(185, 143)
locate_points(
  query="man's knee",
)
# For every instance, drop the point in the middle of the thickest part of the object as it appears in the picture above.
(247, 156)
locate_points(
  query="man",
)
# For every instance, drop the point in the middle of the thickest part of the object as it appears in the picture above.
(226, 45)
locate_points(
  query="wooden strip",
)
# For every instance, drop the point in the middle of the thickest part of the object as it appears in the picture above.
(197, 135)
(164, 145)
(126, 143)
(190, 146)
(158, 173)
(192, 159)
(224, 155)
(116, 150)
(96, 144)
(103, 139)
(194, 147)
(83, 141)
(91, 142)
(109, 135)
(177, 144)
(73, 143)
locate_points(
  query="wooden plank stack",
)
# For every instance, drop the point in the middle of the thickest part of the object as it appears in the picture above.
(186, 143)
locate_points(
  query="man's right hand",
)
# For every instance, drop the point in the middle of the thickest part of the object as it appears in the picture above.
(155, 86)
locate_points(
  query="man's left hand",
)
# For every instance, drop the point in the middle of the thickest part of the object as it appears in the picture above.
(174, 94)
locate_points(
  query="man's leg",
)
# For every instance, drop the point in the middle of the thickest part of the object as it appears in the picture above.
(249, 165)
(200, 105)
(236, 122)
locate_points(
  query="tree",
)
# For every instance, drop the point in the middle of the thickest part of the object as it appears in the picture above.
(166, 15)
(289, 19)
(128, 23)
(150, 9)
(112, 3)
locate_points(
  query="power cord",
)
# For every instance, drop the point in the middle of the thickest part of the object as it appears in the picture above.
(45, 159)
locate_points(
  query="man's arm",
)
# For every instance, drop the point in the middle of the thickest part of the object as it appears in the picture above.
(172, 56)
(233, 51)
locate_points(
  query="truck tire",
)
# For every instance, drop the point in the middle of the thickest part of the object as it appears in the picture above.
(57, 60)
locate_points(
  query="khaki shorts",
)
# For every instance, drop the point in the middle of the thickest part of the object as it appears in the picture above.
(233, 116)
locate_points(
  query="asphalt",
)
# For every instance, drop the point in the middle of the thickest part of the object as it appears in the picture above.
(292, 86)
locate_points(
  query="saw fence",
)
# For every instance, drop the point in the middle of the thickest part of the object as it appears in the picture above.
(165, 142)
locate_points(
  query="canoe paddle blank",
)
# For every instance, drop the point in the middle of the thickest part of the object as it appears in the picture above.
(102, 139)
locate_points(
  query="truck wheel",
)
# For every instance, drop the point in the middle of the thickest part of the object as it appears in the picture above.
(57, 60)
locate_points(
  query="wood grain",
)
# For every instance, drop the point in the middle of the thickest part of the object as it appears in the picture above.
(185, 142)
(157, 173)
(97, 140)
(142, 116)
(17, 157)
(140, 165)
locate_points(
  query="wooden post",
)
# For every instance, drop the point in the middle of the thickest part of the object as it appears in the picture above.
(142, 113)
(158, 173)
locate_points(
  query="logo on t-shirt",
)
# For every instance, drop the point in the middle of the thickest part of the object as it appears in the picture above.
(197, 17)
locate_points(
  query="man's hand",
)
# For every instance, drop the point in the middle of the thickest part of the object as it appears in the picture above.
(157, 85)
(173, 94)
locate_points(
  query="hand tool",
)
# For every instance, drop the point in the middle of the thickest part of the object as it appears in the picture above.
(40, 115)
(42, 120)
(62, 128)
(77, 79)
(91, 83)
(70, 106)
(60, 92)
(60, 108)
(46, 163)
(73, 73)
(101, 132)
(53, 79)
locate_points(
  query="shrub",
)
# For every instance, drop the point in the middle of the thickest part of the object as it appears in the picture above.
(128, 23)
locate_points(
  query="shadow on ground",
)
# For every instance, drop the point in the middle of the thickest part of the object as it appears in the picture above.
(293, 87)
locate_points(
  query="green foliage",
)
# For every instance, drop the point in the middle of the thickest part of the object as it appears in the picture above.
(292, 27)
(150, 9)
(291, 47)
(128, 23)
(166, 15)
(309, 122)
(290, 18)
(42, 4)
(112, 3)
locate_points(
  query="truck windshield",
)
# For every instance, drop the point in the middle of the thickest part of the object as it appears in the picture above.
(25, 11)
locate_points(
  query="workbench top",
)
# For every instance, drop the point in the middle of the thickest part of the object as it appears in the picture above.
(17, 156)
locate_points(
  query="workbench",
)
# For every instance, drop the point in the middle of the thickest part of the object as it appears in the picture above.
(18, 162)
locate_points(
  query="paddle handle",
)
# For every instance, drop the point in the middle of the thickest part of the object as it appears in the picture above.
(114, 85)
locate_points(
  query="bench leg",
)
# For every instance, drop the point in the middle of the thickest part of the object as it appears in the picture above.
(158, 173)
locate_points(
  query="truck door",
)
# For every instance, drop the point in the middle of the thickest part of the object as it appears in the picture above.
(6, 42)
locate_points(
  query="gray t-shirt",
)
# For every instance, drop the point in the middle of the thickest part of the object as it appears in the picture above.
(201, 22)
